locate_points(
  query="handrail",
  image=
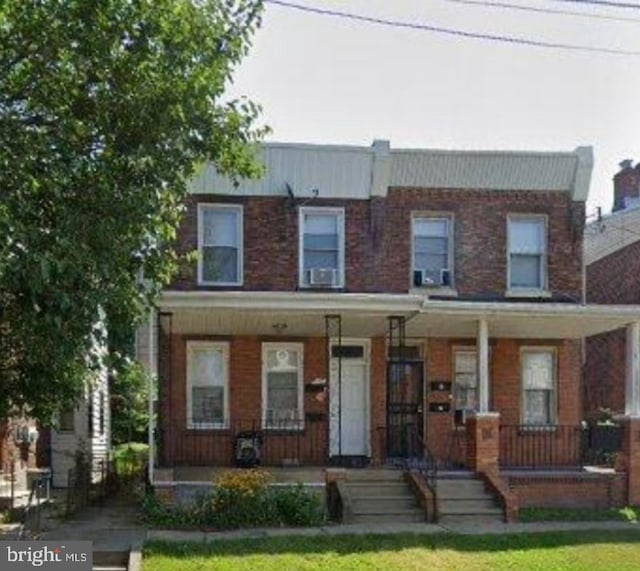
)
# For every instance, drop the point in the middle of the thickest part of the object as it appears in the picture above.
(421, 459)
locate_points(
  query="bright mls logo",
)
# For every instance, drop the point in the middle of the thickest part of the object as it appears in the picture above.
(22, 555)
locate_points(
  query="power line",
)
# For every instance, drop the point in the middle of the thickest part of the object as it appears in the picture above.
(450, 31)
(524, 8)
(608, 3)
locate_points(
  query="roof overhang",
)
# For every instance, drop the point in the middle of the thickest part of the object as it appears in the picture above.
(366, 315)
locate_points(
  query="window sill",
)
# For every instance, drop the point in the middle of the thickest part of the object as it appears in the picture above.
(283, 429)
(316, 288)
(524, 292)
(434, 290)
(220, 284)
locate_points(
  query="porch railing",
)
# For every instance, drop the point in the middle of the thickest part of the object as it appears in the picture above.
(243, 442)
(558, 446)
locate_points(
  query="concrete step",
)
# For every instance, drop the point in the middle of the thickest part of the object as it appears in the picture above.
(461, 492)
(377, 488)
(470, 507)
(114, 560)
(471, 521)
(390, 503)
(403, 517)
(375, 475)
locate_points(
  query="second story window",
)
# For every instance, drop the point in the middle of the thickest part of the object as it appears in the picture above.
(220, 244)
(432, 251)
(527, 252)
(321, 247)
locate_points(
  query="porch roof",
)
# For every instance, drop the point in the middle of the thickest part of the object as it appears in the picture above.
(365, 315)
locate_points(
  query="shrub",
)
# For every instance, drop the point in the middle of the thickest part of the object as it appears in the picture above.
(297, 506)
(239, 499)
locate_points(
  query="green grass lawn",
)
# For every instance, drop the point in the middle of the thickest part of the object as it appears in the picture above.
(594, 550)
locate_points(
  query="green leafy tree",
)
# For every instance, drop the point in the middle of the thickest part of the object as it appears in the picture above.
(106, 108)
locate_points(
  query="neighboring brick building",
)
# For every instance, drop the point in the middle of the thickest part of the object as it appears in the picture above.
(358, 303)
(612, 257)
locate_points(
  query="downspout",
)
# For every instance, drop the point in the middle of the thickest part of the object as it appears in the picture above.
(150, 388)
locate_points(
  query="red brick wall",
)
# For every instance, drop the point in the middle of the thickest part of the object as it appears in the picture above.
(245, 394)
(184, 446)
(378, 239)
(626, 184)
(569, 491)
(505, 392)
(614, 279)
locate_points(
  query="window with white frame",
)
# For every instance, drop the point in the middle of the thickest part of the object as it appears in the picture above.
(321, 247)
(432, 251)
(538, 386)
(465, 383)
(207, 384)
(527, 252)
(220, 244)
(282, 390)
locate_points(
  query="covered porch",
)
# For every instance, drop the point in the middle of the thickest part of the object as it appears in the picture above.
(378, 381)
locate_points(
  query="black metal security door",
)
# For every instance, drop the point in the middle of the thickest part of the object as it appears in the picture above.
(404, 408)
(404, 394)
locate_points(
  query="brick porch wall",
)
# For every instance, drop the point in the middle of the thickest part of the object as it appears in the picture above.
(569, 491)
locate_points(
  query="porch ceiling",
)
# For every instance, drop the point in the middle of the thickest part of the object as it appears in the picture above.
(365, 315)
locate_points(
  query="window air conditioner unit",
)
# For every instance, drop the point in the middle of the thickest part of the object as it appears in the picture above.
(432, 278)
(324, 277)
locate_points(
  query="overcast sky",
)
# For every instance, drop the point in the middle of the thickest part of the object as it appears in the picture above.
(327, 80)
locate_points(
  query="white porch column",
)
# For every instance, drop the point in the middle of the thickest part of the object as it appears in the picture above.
(632, 392)
(482, 360)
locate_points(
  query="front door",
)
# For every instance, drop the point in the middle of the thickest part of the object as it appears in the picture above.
(349, 402)
(404, 408)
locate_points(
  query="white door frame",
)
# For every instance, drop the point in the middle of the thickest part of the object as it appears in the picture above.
(366, 345)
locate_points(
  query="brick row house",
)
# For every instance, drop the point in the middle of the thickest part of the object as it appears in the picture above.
(361, 306)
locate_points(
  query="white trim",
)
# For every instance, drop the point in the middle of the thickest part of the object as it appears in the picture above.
(632, 372)
(366, 361)
(449, 217)
(554, 395)
(544, 269)
(369, 303)
(224, 347)
(202, 206)
(299, 349)
(339, 213)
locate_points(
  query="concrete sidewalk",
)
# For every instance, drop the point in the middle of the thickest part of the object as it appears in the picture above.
(384, 529)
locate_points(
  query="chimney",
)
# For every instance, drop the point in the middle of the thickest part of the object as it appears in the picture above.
(626, 184)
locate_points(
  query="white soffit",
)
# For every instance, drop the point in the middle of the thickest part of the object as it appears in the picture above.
(255, 313)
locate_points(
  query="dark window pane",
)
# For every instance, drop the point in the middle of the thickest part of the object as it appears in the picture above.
(67, 418)
(347, 351)
(321, 241)
(525, 271)
(220, 264)
(207, 405)
(315, 259)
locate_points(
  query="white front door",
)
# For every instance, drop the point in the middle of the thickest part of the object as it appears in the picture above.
(349, 406)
